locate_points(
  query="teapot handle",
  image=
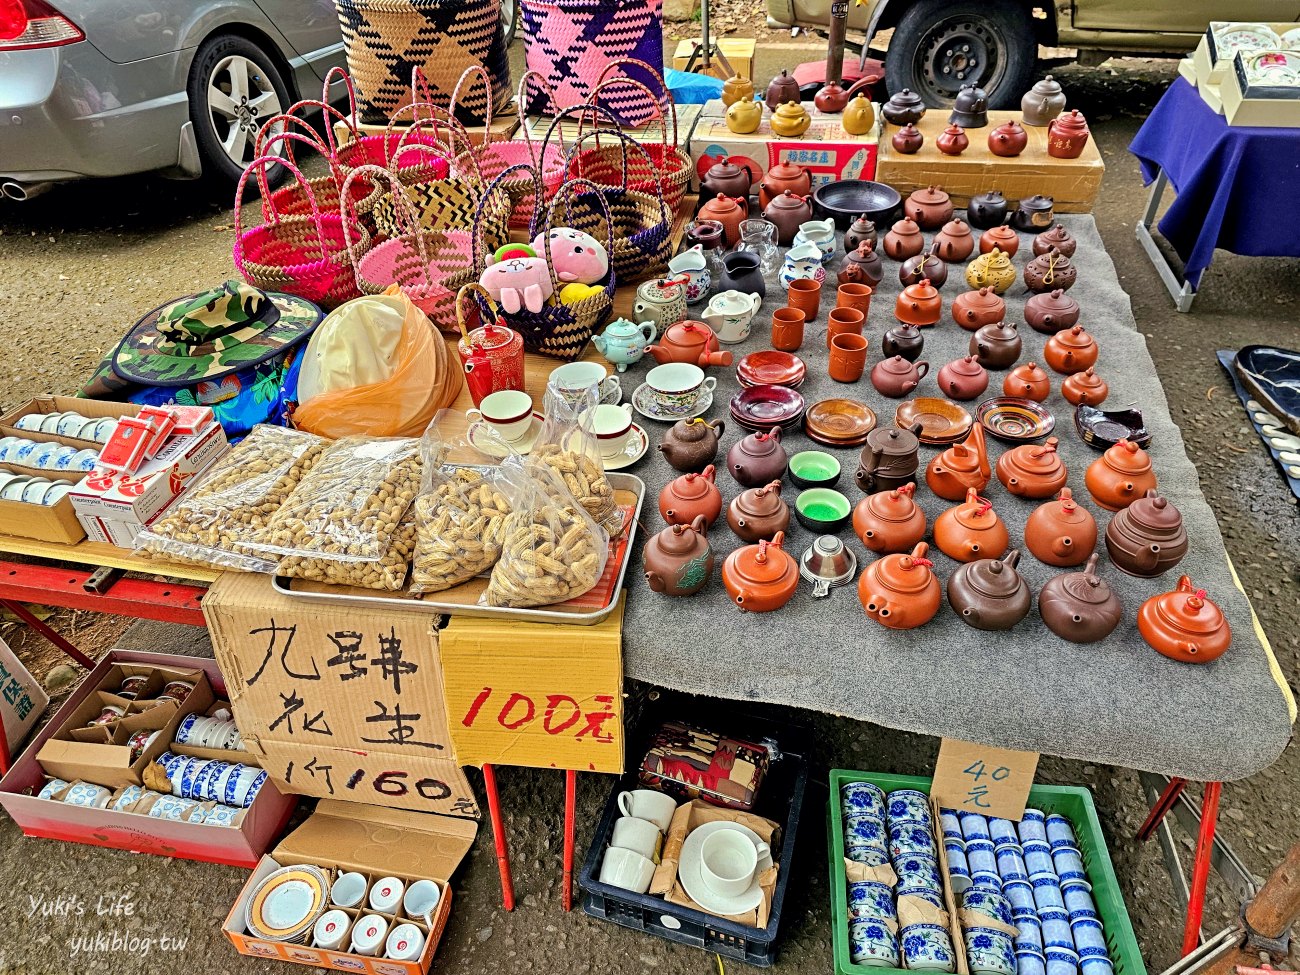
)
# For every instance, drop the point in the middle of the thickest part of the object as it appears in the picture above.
(922, 368)
(653, 332)
(718, 427)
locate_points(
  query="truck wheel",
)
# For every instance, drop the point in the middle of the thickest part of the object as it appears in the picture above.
(939, 46)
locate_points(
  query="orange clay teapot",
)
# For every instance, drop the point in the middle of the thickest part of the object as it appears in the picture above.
(1184, 625)
(1060, 532)
(762, 577)
(685, 498)
(1120, 476)
(1033, 470)
(889, 521)
(1071, 350)
(974, 309)
(1028, 380)
(960, 468)
(1085, 388)
(901, 591)
(692, 342)
(971, 530)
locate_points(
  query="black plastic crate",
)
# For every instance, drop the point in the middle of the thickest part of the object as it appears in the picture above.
(781, 800)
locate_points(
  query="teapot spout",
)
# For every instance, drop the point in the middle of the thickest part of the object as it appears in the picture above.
(599, 342)
(971, 615)
(655, 581)
(1063, 546)
(660, 354)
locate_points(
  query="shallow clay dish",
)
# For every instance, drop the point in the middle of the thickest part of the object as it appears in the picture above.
(771, 368)
(1014, 419)
(847, 199)
(941, 422)
(763, 407)
(839, 422)
(1102, 429)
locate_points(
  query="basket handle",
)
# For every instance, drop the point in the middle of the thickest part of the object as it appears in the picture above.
(488, 310)
(418, 121)
(265, 136)
(581, 112)
(521, 100)
(259, 165)
(351, 117)
(327, 110)
(626, 82)
(287, 138)
(494, 187)
(404, 213)
(566, 191)
(654, 73)
(434, 123)
(475, 70)
(576, 152)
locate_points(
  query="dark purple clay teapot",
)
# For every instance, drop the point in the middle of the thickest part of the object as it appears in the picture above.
(1080, 606)
(679, 559)
(1051, 312)
(989, 594)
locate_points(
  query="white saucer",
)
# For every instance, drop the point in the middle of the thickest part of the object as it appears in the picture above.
(484, 438)
(646, 406)
(634, 448)
(690, 871)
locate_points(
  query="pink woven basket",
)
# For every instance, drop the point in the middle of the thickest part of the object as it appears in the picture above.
(378, 150)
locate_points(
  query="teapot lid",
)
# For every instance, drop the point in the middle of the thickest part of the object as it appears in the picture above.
(1128, 458)
(863, 224)
(1075, 337)
(906, 99)
(1053, 301)
(660, 289)
(762, 501)
(623, 326)
(896, 366)
(975, 513)
(895, 505)
(1154, 515)
(983, 298)
(1187, 609)
(864, 253)
(1086, 586)
(785, 170)
(689, 430)
(1066, 510)
(1029, 372)
(989, 196)
(1048, 86)
(1037, 459)
(1072, 122)
(956, 228)
(997, 578)
(892, 440)
(789, 200)
(692, 487)
(1056, 235)
(954, 129)
(903, 330)
(961, 459)
(1036, 202)
(930, 195)
(905, 228)
(971, 100)
(687, 331)
(1010, 127)
(907, 573)
(908, 130)
(724, 168)
(923, 290)
(722, 203)
(1002, 231)
(1088, 379)
(683, 540)
(967, 365)
(761, 444)
(764, 562)
(790, 108)
(1003, 331)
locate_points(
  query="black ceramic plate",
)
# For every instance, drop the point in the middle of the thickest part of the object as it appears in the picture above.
(1272, 376)
(847, 199)
(1103, 429)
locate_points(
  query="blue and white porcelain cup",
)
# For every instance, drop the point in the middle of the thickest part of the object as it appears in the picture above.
(869, 899)
(1030, 963)
(958, 869)
(950, 823)
(174, 808)
(909, 806)
(220, 815)
(1089, 939)
(979, 854)
(862, 798)
(1038, 860)
(1078, 898)
(974, 826)
(927, 947)
(1068, 864)
(1033, 826)
(1059, 830)
(1061, 961)
(910, 839)
(51, 788)
(1026, 915)
(1011, 865)
(87, 794)
(989, 952)
(919, 870)
(1047, 894)
(864, 829)
(1029, 935)
(872, 943)
(986, 879)
(1097, 966)
(928, 894)
(1056, 929)
(1003, 832)
(987, 902)
(870, 855)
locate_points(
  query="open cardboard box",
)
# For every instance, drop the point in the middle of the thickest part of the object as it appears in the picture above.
(48, 522)
(377, 842)
(91, 409)
(1247, 102)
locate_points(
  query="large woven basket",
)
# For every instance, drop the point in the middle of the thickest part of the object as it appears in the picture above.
(377, 150)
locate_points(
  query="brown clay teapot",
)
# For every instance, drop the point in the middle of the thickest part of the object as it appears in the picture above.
(971, 530)
(987, 209)
(888, 460)
(1033, 470)
(901, 591)
(781, 178)
(788, 211)
(919, 304)
(781, 89)
(973, 310)
(952, 141)
(930, 208)
(727, 178)
(761, 578)
(758, 459)
(1002, 237)
(1067, 135)
(862, 228)
(1071, 350)
(890, 521)
(1057, 237)
(1052, 271)
(954, 242)
(679, 560)
(907, 140)
(960, 468)
(1008, 139)
(1080, 606)
(691, 445)
(989, 594)
(1147, 538)
(903, 108)
(923, 267)
(685, 498)
(903, 339)
(897, 377)
(997, 346)
(1029, 381)
(689, 341)
(1050, 313)
(728, 211)
(1060, 531)
(1184, 625)
(1120, 476)
(1085, 388)
(1034, 214)
(904, 240)
(963, 379)
(758, 513)
(862, 265)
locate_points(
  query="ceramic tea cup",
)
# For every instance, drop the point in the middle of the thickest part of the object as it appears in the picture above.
(872, 943)
(728, 860)
(863, 797)
(386, 894)
(52, 788)
(638, 835)
(348, 890)
(508, 411)
(843, 321)
(32, 421)
(368, 934)
(611, 425)
(648, 804)
(573, 379)
(676, 387)
(787, 329)
(854, 295)
(330, 929)
(70, 424)
(420, 899)
(625, 869)
(848, 360)
(405, 942)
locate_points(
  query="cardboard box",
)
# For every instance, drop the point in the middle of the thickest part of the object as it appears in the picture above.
(89, 408)
(236, 846)
(49, 522)
(339, 703)
(22, 699)
(1247, 102)
(535, 127)
(739, 52)
(1209, 65)
(373, 841)
(1073, 184)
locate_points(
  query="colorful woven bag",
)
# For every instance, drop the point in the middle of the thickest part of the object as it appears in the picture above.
(377, 150)
(569, 42)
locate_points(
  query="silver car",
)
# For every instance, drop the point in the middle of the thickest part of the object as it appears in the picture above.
(110, 87)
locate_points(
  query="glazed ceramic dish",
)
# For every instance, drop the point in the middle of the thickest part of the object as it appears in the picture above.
(1231, 38)
(1103, 429)
(287, 903)
(643, 401)
(839, 422)
(771, 368)
(1015, 419)
(847, 199)
(764, 407)
(942, 422)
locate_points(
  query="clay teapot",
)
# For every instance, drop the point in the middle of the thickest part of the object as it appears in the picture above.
(997, 346)
(692, 445)
(1085, 388)
(1071, 350)
(1033, 470)
(991, 270)
(954, 242)
(790, 120)
(903, 108)
(692, 342)
(1052, 271)
(1120, 476)
(1029, 381)
(988, 209)
(888, 460)
(761, 578)
(1002, 238)
(737, 89)
(1080, 606)
(832, 97)
(929, 208)
(1184, 625)
(963, 378)
(907, 140)
(919, 304)
(989, 594)
(744, 116)
(859, 116)
(973, 310)
(781, 89)
(1034, 215)
(862, 228)
(1147, 538)
(758, 513)
(1060, 531)
(900, 591)
(780, 178)
(960, 467)
(904, 240)
(679, 560)
(758, 459)
(862, 265)
(1067, 135)
(970, 109)
(728, 211)
(725, 178)
(923, 267)
(897, 377)
(1051, 312)
(890, 521)
(1057, 237)
(903, 339)
(1008, 139)
(952, 141)
(788, 211)
(1043, 102)
(691, 496)
(971, 530)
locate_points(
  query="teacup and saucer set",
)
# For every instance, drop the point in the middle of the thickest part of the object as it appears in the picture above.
(720, 866)
(504, 422)
(622, 442)
(674, 391)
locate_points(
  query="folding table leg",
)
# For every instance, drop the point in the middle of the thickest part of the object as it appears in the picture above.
(1161, 809)
(24, 614)
(499, 835)
(1201, 867)
(570, 816)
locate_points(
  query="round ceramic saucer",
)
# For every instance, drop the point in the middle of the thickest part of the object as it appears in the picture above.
(1014, 419)
(634, 448)
(690, 871)
(487, 440)
(942, 421)
(287, 903)
(644, 403)
(839, 422)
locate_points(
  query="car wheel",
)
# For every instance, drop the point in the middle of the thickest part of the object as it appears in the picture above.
(234, 88)
(939, 46)
(510, 19)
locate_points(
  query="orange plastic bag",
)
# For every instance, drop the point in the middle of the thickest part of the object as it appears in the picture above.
(424, 380)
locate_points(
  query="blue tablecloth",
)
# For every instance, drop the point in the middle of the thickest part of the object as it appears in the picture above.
(1237, 187)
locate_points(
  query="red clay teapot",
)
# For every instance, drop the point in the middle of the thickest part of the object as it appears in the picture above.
(989, 594)
(1080, 606)
(971, 530)
(907, 140)
(1050, 313)
(963, 379)
(1067, 135)
(1002, 237)
(901, 591)
(1085, 388)
(1029, 381)
(1185, 625)
(692, 342)
(758, 513)
(788, 211)
(691, 496)
(929, 208)
(904, 240)
(1033, 470)
(973, 310)
(919, 304)
(1057, 237)
(1147, 538)
(952, 141)
(1008, 139)
(1071, 350)
(960, 468)
(954, 243)
(897, 377)
(782, 178)
(758, 458)
(1060, 531)
(1052, 271)
(1120, 476)
(762, 577)
(890, 521)
(679, 560)
(728, 211)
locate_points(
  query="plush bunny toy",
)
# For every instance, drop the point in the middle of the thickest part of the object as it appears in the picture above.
(517, 278)
(576, 256)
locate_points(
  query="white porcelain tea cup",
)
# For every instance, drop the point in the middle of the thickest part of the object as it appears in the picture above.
(729, 859)
(70, 424)
(50, 422)
(572, 379)
(420, 899)
(386, 894)
(32, 421)
(611, 425)
(648, 804)
(638, 835)
(508, 411)
(330, 929)
(405, 942)
(348, 889)
(368, 934)
(625, 869)
(677, 386)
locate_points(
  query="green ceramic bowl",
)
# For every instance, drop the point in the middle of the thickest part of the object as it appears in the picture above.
(823, 511)
(814, 469)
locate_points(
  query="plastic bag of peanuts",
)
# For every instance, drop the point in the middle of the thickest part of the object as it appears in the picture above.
(568, 445)
(233, 500)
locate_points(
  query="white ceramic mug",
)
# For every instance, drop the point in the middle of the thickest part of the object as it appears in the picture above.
(386, 894)
(648, 804)
(405, 942)
(677, 386)
(330, 929)
(572, 379)
(420, 899)
(638, 835)
(368, 934)
(729, 859)
(508, 411)
(611, 425)
(348, 889)
(628, 870)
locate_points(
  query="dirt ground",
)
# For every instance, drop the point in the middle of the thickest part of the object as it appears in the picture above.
(79, 265)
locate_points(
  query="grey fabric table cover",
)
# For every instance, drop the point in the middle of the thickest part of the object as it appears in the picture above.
(1117, 701)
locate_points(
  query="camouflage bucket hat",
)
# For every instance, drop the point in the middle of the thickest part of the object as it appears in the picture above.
(212, 333)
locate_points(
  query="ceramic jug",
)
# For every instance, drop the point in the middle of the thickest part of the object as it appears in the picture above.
(1008, 139)
(972, 310)
(788, 211)
(963, 379)
(960, 467)
(897, 377)
(691, 496)
(761, 578)
(781, 89)
(1071, 350)
(907, 140)
(781, 178)
(661, 302)
(1052, 271)
(929, 208)
(903, 108)
(900, 591)
(1080, 606)
(692, 265)
(1061, 532)
(890, 521)
(821, 233)
(691, 445)
(1085, 388)
(692, 342)
(758, 512)
(1067, 135)
(743, 271)
(1120, 476)
(728, 211)
(1051, 312)
(996, 346)
(954, 242)
(1057, 237)
(904, 240)
(971, 530)
(1033, 470)
(730, 313)
(737, 89)
(862, 229)
(1029, 381)
(991, 270)
(989, 594)
(744, 116)
(679, 560)
(1147, 538)
(758, 458)
(624, 343)
(802, 261)
(889, 459)
(1185, 625)
(1043, 102)
(988, 209)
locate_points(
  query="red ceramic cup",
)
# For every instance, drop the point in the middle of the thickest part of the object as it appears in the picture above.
(787, 329)
(806, 295)
(848, 357)
(854, 296)
(843, 320)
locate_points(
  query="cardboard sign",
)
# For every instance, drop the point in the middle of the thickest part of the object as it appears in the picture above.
(22, 699)
(338, 703)
(542, 696)
(983, 779)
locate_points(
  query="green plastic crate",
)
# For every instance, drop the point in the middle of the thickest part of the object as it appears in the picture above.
(1072, 802)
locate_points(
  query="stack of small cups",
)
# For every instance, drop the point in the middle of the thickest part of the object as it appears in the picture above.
(924, 936)
(873, 921)
(1058, 942)
(988, 929)
(954, 848)
(1019, 892)
(1085, 925)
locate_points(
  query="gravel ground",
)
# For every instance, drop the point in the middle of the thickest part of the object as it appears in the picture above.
(82, 263)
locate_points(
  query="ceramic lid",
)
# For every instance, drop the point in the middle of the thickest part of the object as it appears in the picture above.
(1036, 202)
(954, 130)
(692, 487)
(690, 430)
(1128, 458)
(995, 258)
(905, 228)
(1000, 331)
(930, 195)
(891, 440)
(791, 110)
(724, 170)
(661, 290)
(761, 444)
(905, 573)
(1057, 235)
(1010, 127)
(1038, 459)
(1075, 337)
(966, 366)
(1002, 232)
(721, 204)
(975, 513)
(1187, 609)
(907, 131)
(763, 563)
(1071, 123)
(789, 200)
(956, 228)
(1087, 586)
(1088, 379)
(985, 298)
(995, 577)
(1154, 516)
(863, 224)
(1029, 372)
(896, 366)
(785, 170)
(1048, 86)
(761, 502)
(961, 459)
(923, 290)
(621, 326)
(681, 540)
(895, 505)
(687, 333)
(1066, 510)
(994, 197)
(905, 99)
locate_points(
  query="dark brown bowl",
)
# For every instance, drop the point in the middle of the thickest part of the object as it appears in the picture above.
(848, 199)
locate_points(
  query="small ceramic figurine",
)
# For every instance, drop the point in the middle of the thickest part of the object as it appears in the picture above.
(790, 120)
(989, 594)
(744, 116)
(623, 343)
(952, 141)
(730, 313)
(903, 108)
(1080, 606)
(781, 89)
(692, 265)
(679, 560)
(970, 108)
(992, 270)
(1043, 102)
(737, 89)
(1008, 139)
(907, 140)
(520, 281)
(1184, 625)
(802, 261)
(1061, 532)
(575, 255)
(900, 591)
(691, 445)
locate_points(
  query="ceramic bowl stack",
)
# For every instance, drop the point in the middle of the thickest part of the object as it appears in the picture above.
(873, 918)
(765, 406)
(47, 455)
(69, 424)
(926, 944)
(285, 905)
(771, 368)
(217, 731)
(988, 929)
(208, 780)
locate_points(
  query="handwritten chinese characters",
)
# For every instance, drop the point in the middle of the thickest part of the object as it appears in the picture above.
(983, 779)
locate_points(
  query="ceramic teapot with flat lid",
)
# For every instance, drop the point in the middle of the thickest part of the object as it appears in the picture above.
(1185, 625)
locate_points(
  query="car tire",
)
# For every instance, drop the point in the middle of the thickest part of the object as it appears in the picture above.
(936, 41)
(234, 87)
(510, 19)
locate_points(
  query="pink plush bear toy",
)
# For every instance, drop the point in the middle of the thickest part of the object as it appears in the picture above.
(576, 256)
(518, 279)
